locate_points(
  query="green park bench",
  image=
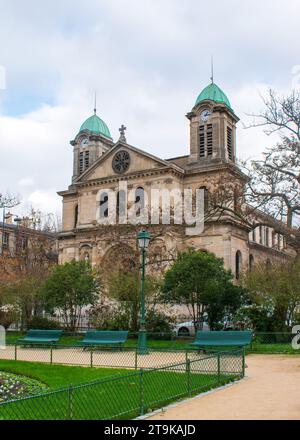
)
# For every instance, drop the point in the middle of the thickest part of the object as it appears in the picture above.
(95, 338)
(222, 339)
(45, 337)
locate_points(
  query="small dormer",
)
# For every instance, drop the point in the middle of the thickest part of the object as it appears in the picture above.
(92, 141)
(212, 128)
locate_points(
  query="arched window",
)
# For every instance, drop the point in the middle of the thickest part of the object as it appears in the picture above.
(273, 239)
(75, 216)
(104, 205)
(251, 262)
(139, 200)
(268, 265)
(267, 237)
(121, 204)
(206, 198)
(261, 238)
(279, 241)
(238, 265)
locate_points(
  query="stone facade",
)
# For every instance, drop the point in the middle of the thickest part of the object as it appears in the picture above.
(211, 160)
(19, 239)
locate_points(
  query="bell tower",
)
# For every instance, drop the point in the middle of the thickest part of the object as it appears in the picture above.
(212, 128)
(92, 141)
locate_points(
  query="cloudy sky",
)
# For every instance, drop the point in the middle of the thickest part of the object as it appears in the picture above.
(148, 61)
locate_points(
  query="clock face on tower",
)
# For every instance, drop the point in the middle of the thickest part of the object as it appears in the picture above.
(205, 115)
(84, 142)
(121, 162)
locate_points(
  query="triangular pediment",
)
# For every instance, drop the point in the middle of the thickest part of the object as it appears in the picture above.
(139, 161)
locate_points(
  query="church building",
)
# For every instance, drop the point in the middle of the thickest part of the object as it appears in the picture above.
(101, 165)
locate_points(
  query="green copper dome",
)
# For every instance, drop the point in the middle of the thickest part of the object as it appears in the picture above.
(213, 93)
(96, 126)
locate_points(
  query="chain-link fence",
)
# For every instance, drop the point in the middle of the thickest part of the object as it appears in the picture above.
(130, 395)
(273, 338)
(162, 351)
(108, 357)
(280, 342)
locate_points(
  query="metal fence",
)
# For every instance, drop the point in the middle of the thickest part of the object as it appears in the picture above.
(108, 357)
(272, 343)
(274, 338)
(164, 348)
(130, 395)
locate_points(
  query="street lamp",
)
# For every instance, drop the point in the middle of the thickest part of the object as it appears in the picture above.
(143, 239)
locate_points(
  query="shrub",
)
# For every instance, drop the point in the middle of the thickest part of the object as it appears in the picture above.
(158, 322)
(40, 323)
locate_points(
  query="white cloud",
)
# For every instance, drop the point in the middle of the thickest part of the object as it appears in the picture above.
(46, 201)
(148, 61)
(26, 181)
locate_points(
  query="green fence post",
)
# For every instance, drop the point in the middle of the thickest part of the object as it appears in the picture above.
(70, 403)
(243, 362)
(51, 355)
(186, 357)
(91, 358)
(142, 408)
(188, 371)
(219, 367)
(16, 352)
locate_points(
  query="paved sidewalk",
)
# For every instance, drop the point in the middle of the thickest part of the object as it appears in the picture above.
(271, 390)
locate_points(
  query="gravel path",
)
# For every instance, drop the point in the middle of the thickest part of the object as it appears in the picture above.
(77, 356)
(271, 390)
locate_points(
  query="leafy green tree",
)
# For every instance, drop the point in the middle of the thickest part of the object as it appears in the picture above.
(70, 288)
(125, 289)
(275, 295)
(20, 296)
(200, 281)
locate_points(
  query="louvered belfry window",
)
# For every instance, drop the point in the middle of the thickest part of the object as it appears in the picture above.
(229, 143)
(209, 139)
(206, 140)
(81, 169)
(202, 141)
(87, 160)
(84, 161)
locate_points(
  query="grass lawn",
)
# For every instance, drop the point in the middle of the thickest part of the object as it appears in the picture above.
(58, 376)
(114, 398)
(277, 348)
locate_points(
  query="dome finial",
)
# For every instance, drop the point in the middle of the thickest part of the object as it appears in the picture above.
(212, 70)
(95, 106)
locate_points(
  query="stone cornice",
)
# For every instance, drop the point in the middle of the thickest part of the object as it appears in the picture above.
(91, 137)
(211, 167)
(216, 107)
(68, 192)
(273, 251)
(134, 175)
(66, 234)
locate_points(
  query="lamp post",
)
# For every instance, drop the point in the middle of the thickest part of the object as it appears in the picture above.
(143, 239)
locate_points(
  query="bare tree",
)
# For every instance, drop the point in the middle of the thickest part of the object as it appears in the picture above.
(274, 181)
(266, 191)
(7, 201)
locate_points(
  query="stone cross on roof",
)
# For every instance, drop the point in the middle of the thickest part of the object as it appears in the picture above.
(122, 133)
